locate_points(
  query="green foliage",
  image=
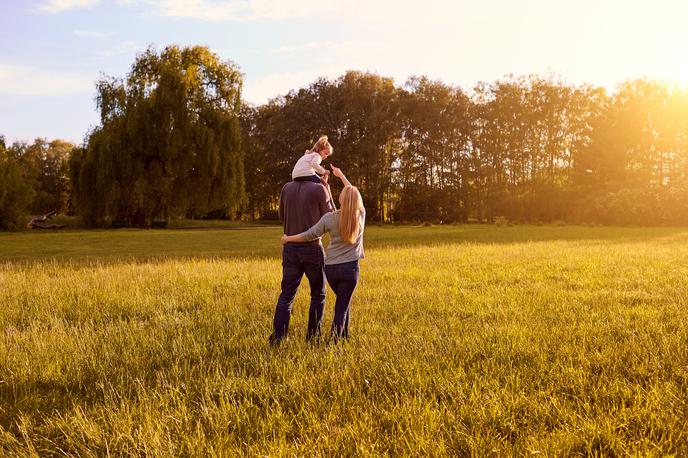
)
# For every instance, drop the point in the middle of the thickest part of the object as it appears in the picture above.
(432, 170)
(175, 141)
(466, 340)
(16, 189)
(169, 143)
(47, 165)
(360, 114)
(501, 221)
(530, 149)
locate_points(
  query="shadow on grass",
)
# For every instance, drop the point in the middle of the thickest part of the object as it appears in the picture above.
(39, 398)
(127, 245)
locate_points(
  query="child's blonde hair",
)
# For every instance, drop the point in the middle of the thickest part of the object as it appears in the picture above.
(321, 145)
(350, 213)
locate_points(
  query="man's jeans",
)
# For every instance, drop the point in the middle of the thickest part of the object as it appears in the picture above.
(296, 261)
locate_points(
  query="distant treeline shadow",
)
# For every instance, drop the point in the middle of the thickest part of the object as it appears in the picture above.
(145, 246)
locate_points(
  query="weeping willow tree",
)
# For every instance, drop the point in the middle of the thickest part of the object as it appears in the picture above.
(169, 143)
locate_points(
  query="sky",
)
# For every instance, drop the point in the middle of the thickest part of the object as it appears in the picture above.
(53, 51)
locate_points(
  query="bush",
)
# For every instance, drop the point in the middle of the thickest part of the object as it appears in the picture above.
(269, 215)
(501, 221)
(16, 193)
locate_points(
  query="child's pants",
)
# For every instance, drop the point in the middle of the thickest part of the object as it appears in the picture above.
(313, 178)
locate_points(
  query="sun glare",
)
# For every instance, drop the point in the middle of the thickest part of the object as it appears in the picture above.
(681, 76)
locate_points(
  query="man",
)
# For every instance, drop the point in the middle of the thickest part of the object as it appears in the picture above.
(302, 204)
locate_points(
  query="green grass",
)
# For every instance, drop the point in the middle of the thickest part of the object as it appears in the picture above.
(466, 340)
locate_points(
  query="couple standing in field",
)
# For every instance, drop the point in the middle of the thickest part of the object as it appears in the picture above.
(307, 211)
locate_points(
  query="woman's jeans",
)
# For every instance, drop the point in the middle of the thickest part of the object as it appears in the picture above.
(343, 279)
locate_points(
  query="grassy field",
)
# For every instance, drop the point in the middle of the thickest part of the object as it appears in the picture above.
(467, 340)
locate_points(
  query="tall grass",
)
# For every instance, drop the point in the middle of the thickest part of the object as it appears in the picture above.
(465, 341)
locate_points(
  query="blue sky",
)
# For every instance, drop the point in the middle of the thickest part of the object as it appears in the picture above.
(52, 51)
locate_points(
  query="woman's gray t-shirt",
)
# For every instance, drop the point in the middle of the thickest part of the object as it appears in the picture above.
(338, 251)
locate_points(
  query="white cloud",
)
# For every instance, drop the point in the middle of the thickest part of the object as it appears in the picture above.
(125, 47)
(333, 59)
(260, 90)
(58, 6)
(33, 81)
(251, 10)
(378, 11)
(91, 34)
(335, 62)
(200, 9)
(280, 9)
(315, 46)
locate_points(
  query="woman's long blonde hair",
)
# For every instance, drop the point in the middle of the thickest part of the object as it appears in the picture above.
(350, 214)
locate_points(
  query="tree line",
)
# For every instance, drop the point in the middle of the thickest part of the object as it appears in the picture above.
(529, 149)
(34, 179)
(175, 140)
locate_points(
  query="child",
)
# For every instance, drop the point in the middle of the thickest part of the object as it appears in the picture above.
(308, 165)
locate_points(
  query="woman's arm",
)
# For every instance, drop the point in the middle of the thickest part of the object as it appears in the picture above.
(292, 238)
(336, 171)
(313, 233)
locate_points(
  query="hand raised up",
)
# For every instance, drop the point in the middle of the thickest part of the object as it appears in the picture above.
(336, 171)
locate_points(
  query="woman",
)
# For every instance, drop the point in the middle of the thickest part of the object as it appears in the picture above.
(345, 249)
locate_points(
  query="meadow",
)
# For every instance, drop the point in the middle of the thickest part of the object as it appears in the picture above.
(466, 340)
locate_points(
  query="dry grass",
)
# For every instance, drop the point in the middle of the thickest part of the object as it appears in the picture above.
(466, 340)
